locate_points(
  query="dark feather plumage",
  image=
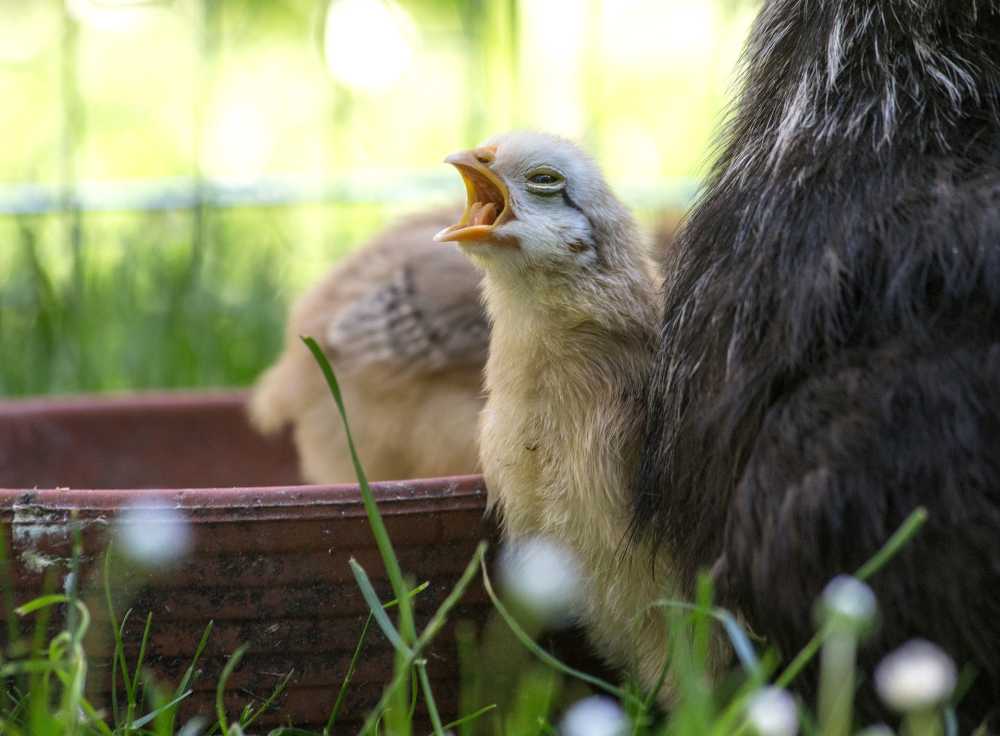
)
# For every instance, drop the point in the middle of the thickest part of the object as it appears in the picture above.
(830, 352)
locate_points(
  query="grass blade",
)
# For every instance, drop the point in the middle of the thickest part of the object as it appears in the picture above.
(425, 686)
(543, 655)
(220, 688)
(199, 650)
(406, 655)
(389, 559)
(471, 717)
(451, 600)
(375, 606)
(133, 701)
(433, 627)
(140, 722)
(118, 660)
(189, 674)
(895, 543)
(737, 636)
(96, 719)
(335, 711)
(252, 715)
(44, 601)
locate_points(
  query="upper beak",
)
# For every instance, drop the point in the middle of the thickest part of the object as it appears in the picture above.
(488, 199)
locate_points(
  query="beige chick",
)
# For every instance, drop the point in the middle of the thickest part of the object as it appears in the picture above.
(571, 295)
(403, 326)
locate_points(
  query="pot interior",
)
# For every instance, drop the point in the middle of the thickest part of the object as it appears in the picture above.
(158, 440)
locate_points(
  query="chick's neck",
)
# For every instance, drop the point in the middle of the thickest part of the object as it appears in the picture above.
(587, 343)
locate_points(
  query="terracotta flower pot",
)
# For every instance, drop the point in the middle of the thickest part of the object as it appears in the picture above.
(267, 560)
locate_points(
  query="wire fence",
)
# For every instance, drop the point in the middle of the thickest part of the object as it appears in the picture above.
(198, 291)
(71, 195)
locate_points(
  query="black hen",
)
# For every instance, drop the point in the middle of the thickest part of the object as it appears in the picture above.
(830, 353)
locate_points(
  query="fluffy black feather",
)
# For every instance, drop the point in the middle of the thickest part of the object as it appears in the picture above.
(830, 352)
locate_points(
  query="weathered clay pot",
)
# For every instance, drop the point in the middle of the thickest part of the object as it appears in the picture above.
(268, 563)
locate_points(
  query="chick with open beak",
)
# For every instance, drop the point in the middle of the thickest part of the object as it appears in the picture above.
(543, 202)
(573, 309)
(488, 200)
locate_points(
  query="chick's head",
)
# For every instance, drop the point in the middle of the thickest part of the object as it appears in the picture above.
(537, 201)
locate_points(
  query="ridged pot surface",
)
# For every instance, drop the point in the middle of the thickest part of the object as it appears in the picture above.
(267, 561)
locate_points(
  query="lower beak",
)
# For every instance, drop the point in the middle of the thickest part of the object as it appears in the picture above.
(488, 199)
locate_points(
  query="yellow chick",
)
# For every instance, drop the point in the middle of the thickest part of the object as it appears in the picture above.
(572, 296)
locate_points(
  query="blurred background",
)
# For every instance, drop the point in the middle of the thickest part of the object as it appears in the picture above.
(174, 172)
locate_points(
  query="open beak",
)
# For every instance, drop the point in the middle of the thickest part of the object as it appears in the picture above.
(488, 200)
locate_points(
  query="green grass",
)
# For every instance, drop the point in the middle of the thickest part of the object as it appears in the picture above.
(145, 303)
(133, 313)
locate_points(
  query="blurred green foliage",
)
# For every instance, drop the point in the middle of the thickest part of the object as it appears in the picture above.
(139, 307)
(116, 93)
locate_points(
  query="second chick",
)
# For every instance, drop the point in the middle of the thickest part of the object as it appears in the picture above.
(402, 324)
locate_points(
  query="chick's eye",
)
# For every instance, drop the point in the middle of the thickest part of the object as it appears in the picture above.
(546, 181)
